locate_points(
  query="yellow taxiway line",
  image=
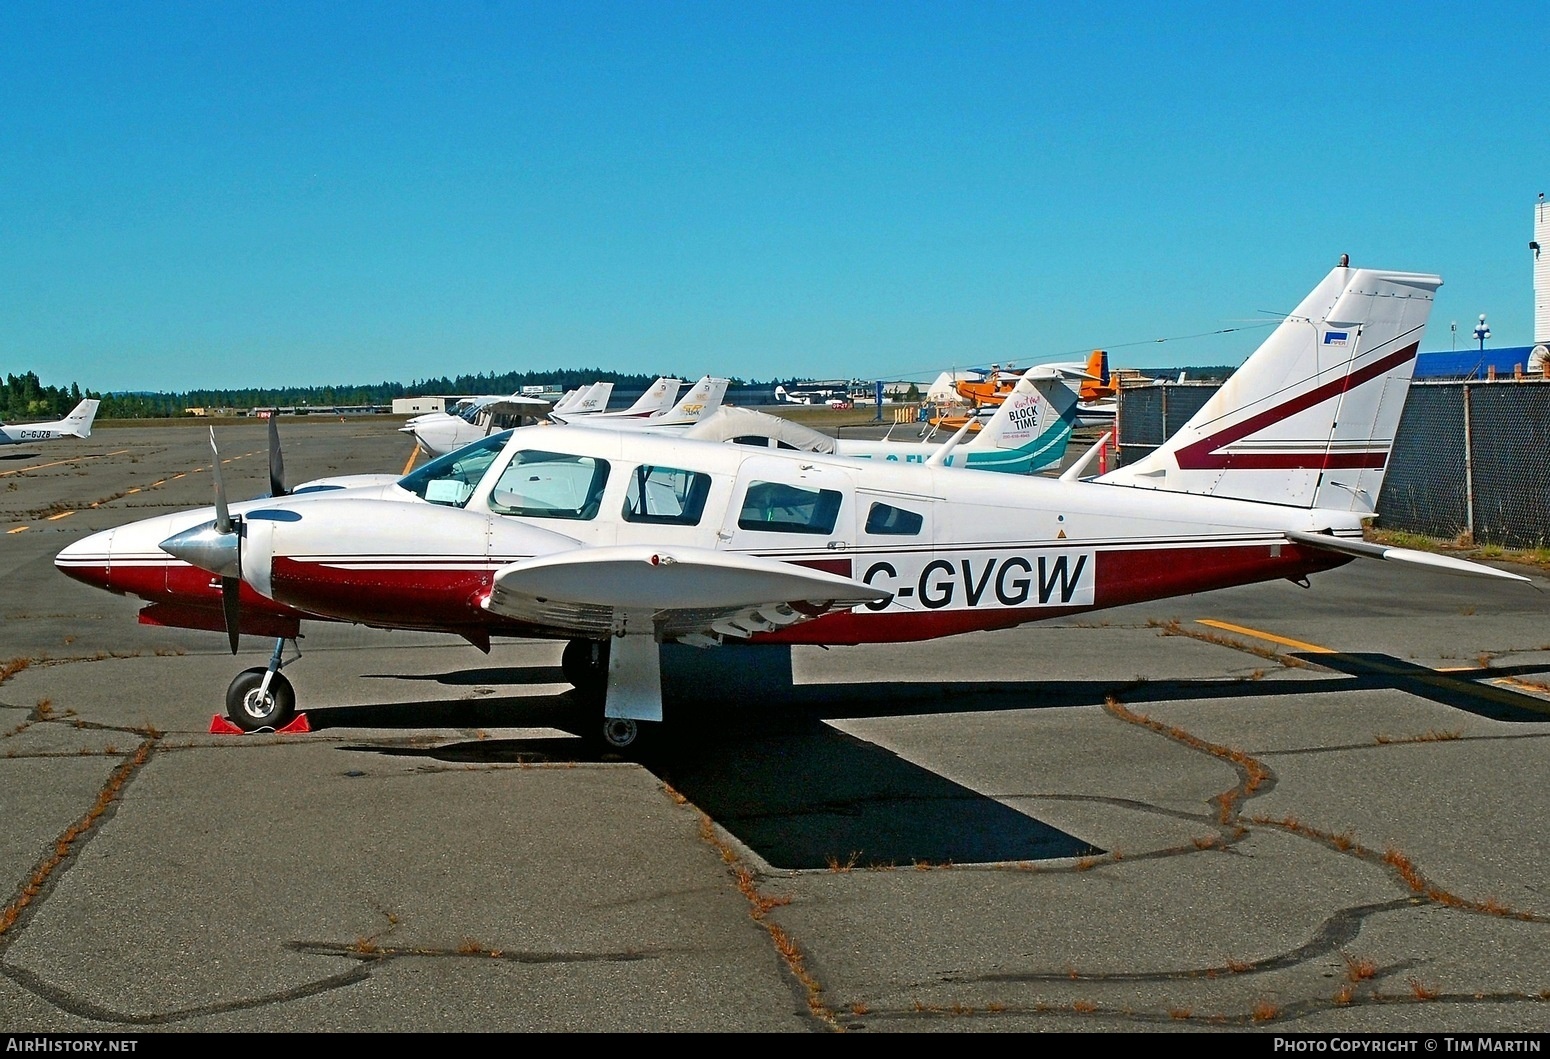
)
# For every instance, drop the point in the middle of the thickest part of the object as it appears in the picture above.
(1258, 635)
(1438, 678)
(56, 463)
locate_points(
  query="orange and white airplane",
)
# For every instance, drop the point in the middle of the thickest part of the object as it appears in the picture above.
(620, 541)
(1097, 392)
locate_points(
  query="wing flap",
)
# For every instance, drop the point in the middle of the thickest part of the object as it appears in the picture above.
(680, 593)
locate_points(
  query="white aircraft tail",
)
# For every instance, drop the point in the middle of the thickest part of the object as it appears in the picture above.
(569, 398)
(1309, 419)
(79, 421)
(703, 398)
(659, 397)
(594, 400)
(1033, 423)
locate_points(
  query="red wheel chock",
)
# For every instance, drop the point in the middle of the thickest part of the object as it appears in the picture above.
(221, 726)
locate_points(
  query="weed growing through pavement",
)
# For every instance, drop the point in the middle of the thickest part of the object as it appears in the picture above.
(1358, 969)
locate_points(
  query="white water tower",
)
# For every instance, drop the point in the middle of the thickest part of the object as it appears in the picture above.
(1540, 248)
(1539, 358)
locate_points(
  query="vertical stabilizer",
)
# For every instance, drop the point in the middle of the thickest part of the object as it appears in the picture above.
(1309, 419)
(703, 398)
(592, 401)
(79, 421)
(658, 398)
(1032, 425)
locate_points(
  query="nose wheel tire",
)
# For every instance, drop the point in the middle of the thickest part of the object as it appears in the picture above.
(251, 710)
(620, 732)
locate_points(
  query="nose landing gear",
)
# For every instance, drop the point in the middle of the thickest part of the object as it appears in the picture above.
(261, 697)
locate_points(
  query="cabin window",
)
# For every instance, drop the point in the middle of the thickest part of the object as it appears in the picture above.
(780, 508)
(666, 496)
(887, 520)
(450, 479)
(540, 484)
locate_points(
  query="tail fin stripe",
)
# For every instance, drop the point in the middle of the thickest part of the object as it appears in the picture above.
(1207, 454)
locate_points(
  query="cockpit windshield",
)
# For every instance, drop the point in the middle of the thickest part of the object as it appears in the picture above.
(450, 479)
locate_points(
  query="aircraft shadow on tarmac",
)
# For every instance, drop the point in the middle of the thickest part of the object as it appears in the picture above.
(757, 756)
(797, 791)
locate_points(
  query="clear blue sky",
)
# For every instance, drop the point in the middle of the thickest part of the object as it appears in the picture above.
(242, 194)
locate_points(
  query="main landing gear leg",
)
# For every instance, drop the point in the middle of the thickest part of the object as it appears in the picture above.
(261, 697)
(619, 685)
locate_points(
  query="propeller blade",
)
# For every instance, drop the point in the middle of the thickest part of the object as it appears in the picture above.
(230, 588)
(276, 461)
(223, 523)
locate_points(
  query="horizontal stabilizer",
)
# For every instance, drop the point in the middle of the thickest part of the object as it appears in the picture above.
(1076, 470)
(1445, 563)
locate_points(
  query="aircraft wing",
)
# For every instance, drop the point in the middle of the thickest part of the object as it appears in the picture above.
(1445, 563)
(695, 595)
(728, 422)
(528, 406)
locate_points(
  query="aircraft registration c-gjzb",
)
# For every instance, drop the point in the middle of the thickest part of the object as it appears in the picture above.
(75, 425)
(620, 541)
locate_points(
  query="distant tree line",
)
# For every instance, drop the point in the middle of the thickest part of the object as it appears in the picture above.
(25, 397)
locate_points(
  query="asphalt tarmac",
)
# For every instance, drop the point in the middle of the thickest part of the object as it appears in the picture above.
(1270, 809)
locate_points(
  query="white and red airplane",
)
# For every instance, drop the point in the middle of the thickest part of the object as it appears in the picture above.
(75, 425)
(621, 541)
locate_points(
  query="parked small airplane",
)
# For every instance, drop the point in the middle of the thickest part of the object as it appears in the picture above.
(438, 433)
(1028, 432)
(75, 425)
(813, 392)
(657, 400)
(618, 541)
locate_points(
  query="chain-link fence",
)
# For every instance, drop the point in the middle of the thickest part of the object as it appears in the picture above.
(1470, 459)
(1148, 415)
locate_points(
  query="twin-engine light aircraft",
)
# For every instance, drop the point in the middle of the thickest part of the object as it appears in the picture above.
(75, 425)
(619, 542)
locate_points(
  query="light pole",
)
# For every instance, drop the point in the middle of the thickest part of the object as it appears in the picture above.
(1482, 332)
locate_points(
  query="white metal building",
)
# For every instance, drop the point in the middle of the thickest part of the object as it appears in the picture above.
(413, 406)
